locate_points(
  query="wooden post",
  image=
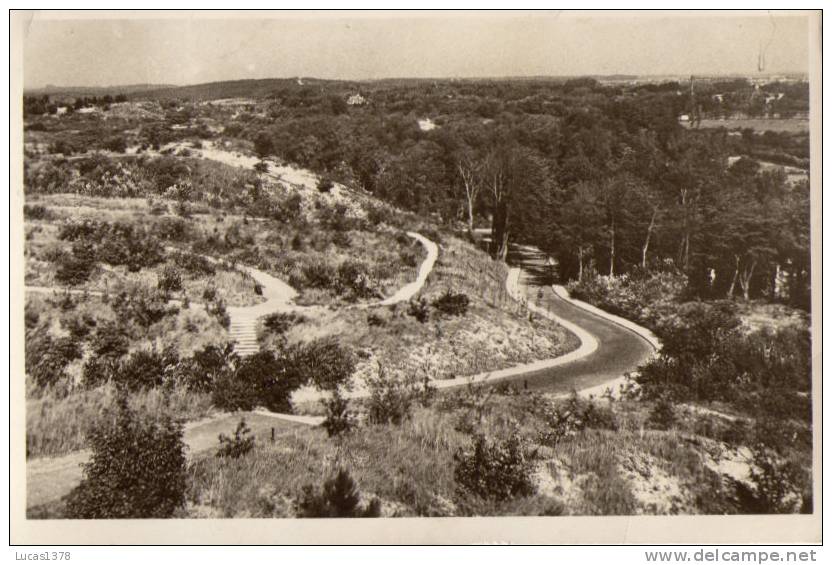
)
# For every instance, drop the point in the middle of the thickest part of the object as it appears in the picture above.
(272, 435)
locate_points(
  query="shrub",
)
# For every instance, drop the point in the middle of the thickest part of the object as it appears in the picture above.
(47, 358)
(325, 184)
(452, 303)
(142, 306)
(170, 280)
(391, 398)
(195, 265)
(136, 470)
(217, 309)
(37, 212)
(495, 470)
(419, 309)
(567, 420)
(318, 275)
(259, 379)
(76, 268)
(339, 419)
(141, 370)
(116, 144)
(353, 281)
(662, 416)
(207, 366)
(261, 167)
(280, 322)
(773, 488)
(374, 319)
(323, 362)
(239, 445)
(339, 498)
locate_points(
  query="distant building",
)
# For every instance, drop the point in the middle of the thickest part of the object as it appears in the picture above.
(356, 100)
(684, 118)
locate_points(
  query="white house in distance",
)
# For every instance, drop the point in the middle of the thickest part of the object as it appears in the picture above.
(356, 100)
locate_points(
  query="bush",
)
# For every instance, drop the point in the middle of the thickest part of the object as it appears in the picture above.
(239, 445)
(76, 268)
(774, 486)
(452, 303)
(339, 419)
(325, 184)
(47, 358)
(419, 309)
(194, 265)
(142, 306)
(261, 167)
(323, 362)
(339, 498)
(352, 280)
(495, 470)
(217, 309)
(662, 416)
(207, 366)
(262, 379)
(136, 470)
(141, 370)
(37, 212)
(280, 322)
(318, 275)
(116, 144)
(576, 415)
(391, 398)
(170, 280)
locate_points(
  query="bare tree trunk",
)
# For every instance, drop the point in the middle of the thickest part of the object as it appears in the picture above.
(730, 292)
(580, 264)
(745, 280)
(471, 218)
(612, 248)
(470, 184)
(503, 252)
(647, 240)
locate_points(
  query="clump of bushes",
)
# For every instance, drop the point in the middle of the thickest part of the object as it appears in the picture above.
(259, 379)
(418, 308)
(114, 244)
(76, 267)
(37, 212)
(47, 357)
(339, 418)
(452, 303)
(775, 487)
(268, 377)
(323, 362)
(237, 446)
(195, 265)
(494, 469)
(567, 420)
(170, 280)
(339, 498)
(325, 184)
(280, 322)
(136, 470)
(391, 398)
(663, 415)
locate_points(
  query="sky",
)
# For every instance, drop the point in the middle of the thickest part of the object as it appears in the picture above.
(203, 48)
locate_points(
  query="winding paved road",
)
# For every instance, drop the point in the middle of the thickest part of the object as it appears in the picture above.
(619, 351)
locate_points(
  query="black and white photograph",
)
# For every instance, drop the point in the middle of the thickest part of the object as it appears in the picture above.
(402, 266)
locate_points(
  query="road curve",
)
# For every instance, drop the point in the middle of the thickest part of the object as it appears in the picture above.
(620, 350)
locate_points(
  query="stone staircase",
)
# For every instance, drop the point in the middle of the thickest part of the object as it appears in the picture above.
(243, 330)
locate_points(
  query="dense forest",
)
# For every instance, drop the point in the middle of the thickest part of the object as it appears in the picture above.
(603, 177)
